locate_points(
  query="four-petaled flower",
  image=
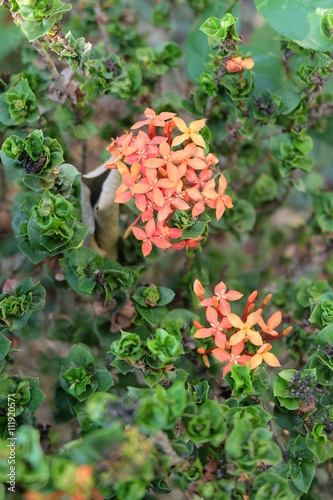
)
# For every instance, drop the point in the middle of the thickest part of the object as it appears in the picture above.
(189, 132)
(223, 200)
(237, 64)
(216, 328)
(150, 238)
(272, 323)
(263, 354)
(153, 120)
(245, 331)
(234, 357)
(223, 297)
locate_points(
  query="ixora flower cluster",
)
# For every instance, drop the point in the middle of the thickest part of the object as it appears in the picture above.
(171, 187)
(236, 338)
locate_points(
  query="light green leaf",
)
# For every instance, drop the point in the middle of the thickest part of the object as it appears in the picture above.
(299, 20)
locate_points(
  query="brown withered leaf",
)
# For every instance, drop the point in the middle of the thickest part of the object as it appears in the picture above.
(9, 286)
(307, 407)
(99, 211)
(123, 319)
(55, 269)
(71, 85)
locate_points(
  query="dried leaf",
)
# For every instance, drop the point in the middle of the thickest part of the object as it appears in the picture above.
(9, 286)
(100, 213)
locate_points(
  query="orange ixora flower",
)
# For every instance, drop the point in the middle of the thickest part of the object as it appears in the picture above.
(272, 323)
(234, 357)
(230, 334)
(263, 355)
(245, 331)
(189, 132)
(237, 64)
(153, 120)
(162, 179)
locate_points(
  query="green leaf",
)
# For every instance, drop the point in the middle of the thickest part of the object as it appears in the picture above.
(239, 380)
(269, 485)
(298, 20)
(260, 380)
(129, 346)
(325, 336)
(18, 105)
(323, 208)
(302, 464)
(326, 24)
(38, 22)
(4, 347)
(123, 366)
(165, 346)
(152, 377)
(153, 315)
(211, 26)
(317, 441)
(135, 76)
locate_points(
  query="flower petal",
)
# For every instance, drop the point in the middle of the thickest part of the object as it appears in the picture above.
(274, 320)
(221, 355)
(123, 197)
(139, 233)
(254, 337)
(150, 228)
(253, 318)
(206, 303)
(178, 140)
(154, 163)
(146, 248)
(141, 202)
(158, 197)
(235, 320)
(194, 194)
(237, 348)
(233, 295)
(204, 333)
(236, 337)
(226, 369)
(220, 208)
(198, 208)
(256, 360)
(222, 184)
(141, 188)
(198, 140)
(180, 124)
(220, 339)
(161, 243)
(196, 164)
(197, 125)
(211, 316)
(164, 212)
(140, 124)
(270, 359)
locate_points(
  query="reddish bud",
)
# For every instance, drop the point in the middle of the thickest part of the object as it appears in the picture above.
(287, 331)
(250, 309)
(198, 288)
(206, 360)
(252, 297)
(266, 300)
